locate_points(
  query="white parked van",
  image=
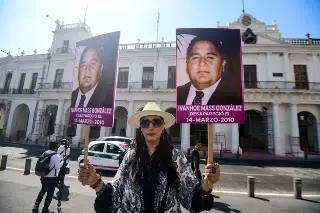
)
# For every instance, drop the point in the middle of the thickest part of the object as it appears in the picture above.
(105, 154)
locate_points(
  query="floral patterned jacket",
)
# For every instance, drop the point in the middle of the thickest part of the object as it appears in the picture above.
(125, 196)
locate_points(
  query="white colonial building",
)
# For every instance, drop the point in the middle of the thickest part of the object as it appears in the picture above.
(281, 78)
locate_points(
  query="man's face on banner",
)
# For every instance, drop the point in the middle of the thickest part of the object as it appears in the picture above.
(90, 70)
(204, 65)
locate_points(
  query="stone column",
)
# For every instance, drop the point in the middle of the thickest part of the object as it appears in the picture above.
(58, 126)
(279, 147)
(294, 120)
(286, 67)
(6, 119)
(318, 127)
(185, 137)
(269, 70)
(315, 67)
(38, 123)
(235, 138)
(295, 136)
(129, 129)
(79, 135)
(103, 131)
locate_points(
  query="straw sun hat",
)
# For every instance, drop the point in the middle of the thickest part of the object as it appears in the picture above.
(152, 109)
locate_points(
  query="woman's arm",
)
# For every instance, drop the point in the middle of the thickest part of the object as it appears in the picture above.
(109, 195)
(190, 190)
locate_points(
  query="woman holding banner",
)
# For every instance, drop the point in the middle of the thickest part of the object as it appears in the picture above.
(153, 177)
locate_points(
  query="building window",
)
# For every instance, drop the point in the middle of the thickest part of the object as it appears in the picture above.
(33, 82)
(147, 77)
(58, 79)
(301, 76)
(250, 76)
(171, 77)
(21, 83)
(123, 77)
(65, 46)
(7, 83)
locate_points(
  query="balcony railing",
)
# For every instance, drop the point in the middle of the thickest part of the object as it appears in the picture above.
(155, 85)
(283, 85)
(60, 85)
(302, 41)
(17, 91)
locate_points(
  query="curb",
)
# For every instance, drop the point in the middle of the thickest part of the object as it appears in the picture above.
(31, 171)
(214, 191)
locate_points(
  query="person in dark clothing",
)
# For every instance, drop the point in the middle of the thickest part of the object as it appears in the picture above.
(49, 181)
(195, 161)
(64, 153)
(153, 177)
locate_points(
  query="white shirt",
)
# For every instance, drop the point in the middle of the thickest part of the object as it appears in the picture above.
(55, 164)
(62, 152)
(207, 93)
(87, 94)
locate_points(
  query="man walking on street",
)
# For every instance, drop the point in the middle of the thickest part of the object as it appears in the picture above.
(195, 161)
(49, 180)
(64, 153)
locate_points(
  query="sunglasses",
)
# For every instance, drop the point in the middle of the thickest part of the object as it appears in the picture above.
(156, 122)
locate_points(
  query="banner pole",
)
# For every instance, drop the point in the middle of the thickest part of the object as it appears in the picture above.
(210, 148)
(210, 144)
(86, 144)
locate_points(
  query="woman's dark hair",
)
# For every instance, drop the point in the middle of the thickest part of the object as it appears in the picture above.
(163, 157)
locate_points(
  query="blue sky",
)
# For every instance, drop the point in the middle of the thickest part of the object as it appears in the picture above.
(23, 23)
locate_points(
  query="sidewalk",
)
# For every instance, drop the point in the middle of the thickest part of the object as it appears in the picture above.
(18, 192)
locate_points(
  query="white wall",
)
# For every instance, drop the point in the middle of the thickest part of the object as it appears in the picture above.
(73, 35)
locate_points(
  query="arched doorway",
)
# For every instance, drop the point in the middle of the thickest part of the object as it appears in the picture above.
(198, 132)
(174, 131)
(308, 132)
(2, 120)
(20, 120)
(69, 130)
(2, 115)
(50, 119)
(94, 132)
(253, 134)
(120, 121)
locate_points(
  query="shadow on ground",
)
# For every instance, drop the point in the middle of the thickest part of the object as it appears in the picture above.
(223, 207)
(65, 194)
(36, 151)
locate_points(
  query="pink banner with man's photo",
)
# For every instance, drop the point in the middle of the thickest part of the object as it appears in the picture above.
(209, 76)
(95, 80)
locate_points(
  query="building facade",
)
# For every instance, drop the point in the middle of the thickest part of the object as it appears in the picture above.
(281, 79)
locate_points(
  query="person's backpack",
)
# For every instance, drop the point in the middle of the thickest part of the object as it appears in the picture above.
(43, 164)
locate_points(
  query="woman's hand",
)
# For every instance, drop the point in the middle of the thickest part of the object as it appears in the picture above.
(212, 176)
(87, 175)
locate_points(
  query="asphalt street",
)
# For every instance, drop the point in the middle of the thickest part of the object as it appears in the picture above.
(270, 180)
(18, 193)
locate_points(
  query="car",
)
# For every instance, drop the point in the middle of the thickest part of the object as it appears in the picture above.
(105, 155)
(116, 138)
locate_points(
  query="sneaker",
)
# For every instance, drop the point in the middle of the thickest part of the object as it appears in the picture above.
(35, 209)
(46, 211)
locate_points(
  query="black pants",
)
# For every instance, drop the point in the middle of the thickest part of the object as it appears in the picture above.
(62, 174)
(199, 175)
(48, 186)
